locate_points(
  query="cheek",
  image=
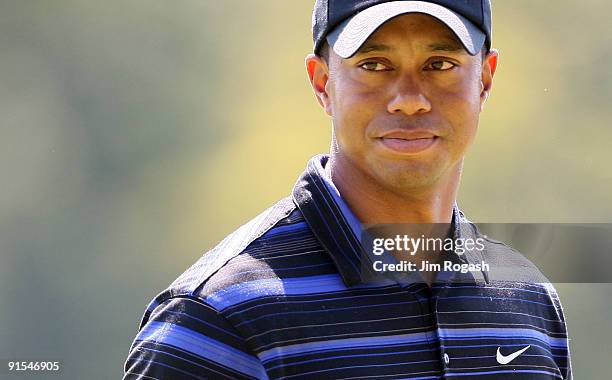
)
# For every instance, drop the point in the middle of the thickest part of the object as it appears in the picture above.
(460, 106)
(354, 99)
(353, 108)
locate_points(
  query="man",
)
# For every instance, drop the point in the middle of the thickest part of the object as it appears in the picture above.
(290, 295)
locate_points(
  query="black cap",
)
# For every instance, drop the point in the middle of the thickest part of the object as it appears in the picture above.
(347, 24)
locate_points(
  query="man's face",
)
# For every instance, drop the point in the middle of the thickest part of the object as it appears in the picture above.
(405, 107)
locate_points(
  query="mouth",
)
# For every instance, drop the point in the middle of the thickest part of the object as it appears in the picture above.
(408, 142)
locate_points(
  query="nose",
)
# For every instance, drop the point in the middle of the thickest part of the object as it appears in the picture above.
(408, 97)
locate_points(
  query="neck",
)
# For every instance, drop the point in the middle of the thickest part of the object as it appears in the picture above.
(375, 204)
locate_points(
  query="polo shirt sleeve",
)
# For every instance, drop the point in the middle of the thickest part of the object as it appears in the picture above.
(185, 338)
(561, 349)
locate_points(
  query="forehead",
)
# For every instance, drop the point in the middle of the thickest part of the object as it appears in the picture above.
(419, 31)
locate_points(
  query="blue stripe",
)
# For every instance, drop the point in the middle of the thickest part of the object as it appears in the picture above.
(203, 346)
(276, 352)
(503, 371)
(245, 291)
(481, 333)
(379, 346)
(361, 356)
(327, 299)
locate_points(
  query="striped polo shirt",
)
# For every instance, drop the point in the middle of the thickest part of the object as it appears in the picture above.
(284, 297)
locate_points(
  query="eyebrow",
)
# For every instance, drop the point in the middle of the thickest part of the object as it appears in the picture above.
(447, 46)
(372, 46)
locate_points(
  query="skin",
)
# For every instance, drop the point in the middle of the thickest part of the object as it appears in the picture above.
(422, 81)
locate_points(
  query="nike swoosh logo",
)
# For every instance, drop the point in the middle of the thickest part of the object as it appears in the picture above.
(501, 359)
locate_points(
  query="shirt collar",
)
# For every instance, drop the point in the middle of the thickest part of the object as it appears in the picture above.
(338, 229)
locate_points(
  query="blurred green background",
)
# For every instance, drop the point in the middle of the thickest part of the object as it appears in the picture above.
(134, 136)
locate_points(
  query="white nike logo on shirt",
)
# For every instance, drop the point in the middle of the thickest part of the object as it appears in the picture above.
(501, 359)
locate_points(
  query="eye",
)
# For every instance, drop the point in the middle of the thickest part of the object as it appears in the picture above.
(440, 65)
(374, 66)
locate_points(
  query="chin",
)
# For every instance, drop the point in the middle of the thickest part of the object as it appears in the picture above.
(405, 175)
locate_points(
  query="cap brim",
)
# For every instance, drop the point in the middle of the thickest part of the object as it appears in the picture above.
(348, 37)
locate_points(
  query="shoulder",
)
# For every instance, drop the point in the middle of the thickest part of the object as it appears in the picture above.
(514, 274)
(233, 245)
(506, 263)
(243, 257)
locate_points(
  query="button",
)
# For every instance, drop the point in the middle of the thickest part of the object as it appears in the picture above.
(446, 358)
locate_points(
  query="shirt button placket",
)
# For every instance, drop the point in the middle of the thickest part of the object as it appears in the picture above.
(445, 357)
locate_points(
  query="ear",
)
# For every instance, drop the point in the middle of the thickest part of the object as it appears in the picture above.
(318, 72)
(489, 66)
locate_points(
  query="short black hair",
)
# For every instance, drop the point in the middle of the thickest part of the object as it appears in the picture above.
(324, 52)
